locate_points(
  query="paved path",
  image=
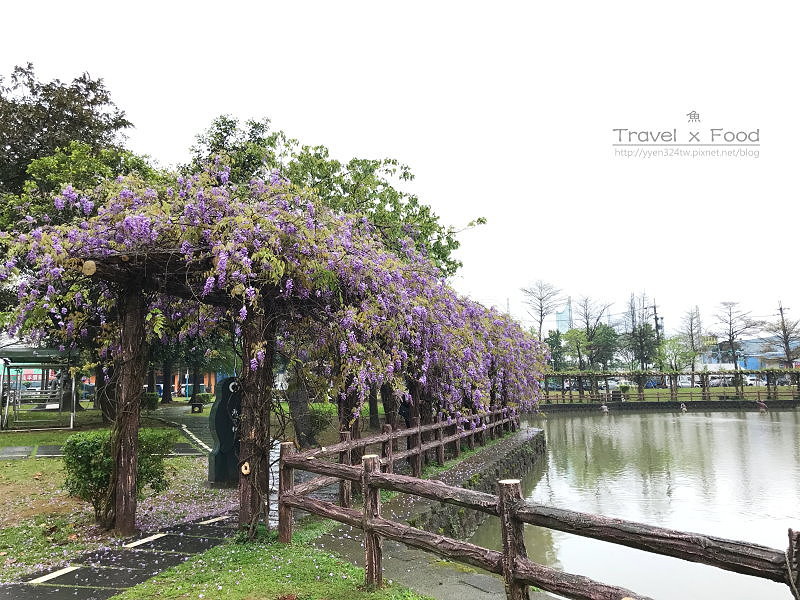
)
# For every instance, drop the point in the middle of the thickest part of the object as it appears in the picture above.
(101, 574)
(54, 451)
(194, 425)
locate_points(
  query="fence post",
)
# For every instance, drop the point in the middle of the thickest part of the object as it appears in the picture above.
(793, 562)
(439, 438)
(345, 486)
(460, 434)
(416, 445)
(510, 493)
(387, 450)
(285, 483)
(372, 510)
(472, 430)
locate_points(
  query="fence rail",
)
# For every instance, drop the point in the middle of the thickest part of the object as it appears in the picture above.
(594, 386)
(518, 572)
(687, 395)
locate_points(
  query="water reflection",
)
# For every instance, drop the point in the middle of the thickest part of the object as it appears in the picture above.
(732, 474)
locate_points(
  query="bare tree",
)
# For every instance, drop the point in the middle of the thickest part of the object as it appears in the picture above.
(785, 334)
(590, 315)
(544, 299)
(734, 325)
(692, 333)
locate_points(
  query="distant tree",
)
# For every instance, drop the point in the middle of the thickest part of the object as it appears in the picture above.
(577, 347)
(675, 353)
(544, 299)
(639, 339)
(603, 346)
(733, 325)
(589, 317)
(555, 342)
(693, 336)
(37, 118)
(786, 336)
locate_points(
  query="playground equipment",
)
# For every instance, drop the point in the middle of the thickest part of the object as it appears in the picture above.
(36, 391)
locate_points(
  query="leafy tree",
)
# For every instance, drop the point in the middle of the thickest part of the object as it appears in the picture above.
(643, 344)
(675, 353)
(361, 186)
(36, 118)
(577, 347)
(543, 298)
(78, 165)
(598, 335)
(555, 342)
(639, 339)
(602, 346)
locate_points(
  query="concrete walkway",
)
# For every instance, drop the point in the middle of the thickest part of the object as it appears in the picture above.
(55, 451)
(194, 425)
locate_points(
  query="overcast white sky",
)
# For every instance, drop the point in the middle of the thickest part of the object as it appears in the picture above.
(503, 110)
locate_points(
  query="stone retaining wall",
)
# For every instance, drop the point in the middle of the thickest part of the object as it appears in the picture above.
(510, 458)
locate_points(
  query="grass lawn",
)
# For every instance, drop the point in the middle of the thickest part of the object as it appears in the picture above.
(267, 570)
(39, 524)
(91, 419)
(46, 540)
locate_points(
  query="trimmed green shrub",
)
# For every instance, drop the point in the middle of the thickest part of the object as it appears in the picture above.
(323, 414)
(89, 463)
(149, 401)
(204, 398)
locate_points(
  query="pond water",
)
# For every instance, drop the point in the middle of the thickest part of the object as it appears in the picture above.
(729, 474)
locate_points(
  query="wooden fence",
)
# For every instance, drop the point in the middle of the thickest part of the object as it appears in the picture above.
(588, 386)
(376, 473)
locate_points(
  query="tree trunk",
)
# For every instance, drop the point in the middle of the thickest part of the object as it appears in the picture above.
(99, 377)
(389, 405)
(124, 435)
(297, 397)
(105, 391)
(151, 379)
(374, 421)
(166, 382)
(195, 384)
(258, 331)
